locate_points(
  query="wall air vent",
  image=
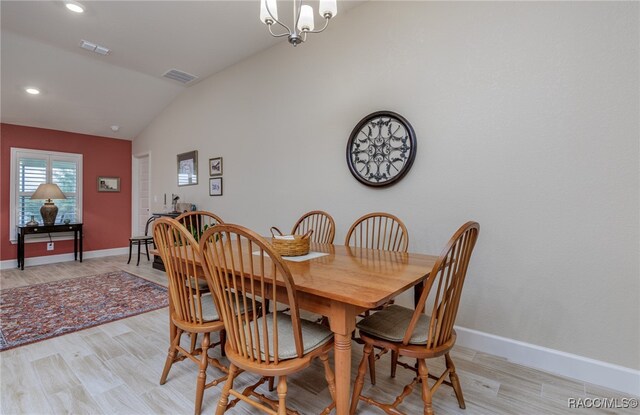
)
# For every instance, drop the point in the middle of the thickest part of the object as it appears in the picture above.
(179, 76)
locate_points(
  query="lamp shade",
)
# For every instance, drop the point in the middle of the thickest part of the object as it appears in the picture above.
(306, 18)
(48, 191)
(328, 7)
(268, 11)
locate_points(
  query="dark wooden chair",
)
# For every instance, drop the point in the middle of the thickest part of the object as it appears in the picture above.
(191, 311)
(414, 334)
(273, 344)
(138, 241)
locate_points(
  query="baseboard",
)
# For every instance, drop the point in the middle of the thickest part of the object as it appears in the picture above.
(52, 259)
(593, 371)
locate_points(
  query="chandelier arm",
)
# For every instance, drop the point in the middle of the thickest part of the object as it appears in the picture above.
(277, 34)
(276, 21)
(326, 23)
(283, 25)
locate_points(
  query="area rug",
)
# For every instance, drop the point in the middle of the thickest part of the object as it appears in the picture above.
(38, 312)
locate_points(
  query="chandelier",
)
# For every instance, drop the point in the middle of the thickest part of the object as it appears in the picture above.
(302, 18)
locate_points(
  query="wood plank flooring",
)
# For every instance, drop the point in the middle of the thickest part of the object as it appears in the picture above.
(115, 368)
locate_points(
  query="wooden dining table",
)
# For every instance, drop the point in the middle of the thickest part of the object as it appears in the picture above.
(346, 282)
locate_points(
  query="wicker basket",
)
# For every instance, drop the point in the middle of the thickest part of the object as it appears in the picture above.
(290, 247)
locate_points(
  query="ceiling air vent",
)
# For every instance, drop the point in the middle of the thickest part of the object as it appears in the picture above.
(179, 76)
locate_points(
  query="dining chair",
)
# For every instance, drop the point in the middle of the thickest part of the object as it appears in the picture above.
(191, 311)
(322, 224)
(238, 261)
(383, 231)
(139, 240)
(415, 334)
(198, 221)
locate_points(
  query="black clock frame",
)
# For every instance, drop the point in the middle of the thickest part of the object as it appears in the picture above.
(412, 151)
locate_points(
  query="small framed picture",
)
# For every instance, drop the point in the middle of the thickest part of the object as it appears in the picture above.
(215, 166)
(108, 184)
(215, 186)
(188, 168)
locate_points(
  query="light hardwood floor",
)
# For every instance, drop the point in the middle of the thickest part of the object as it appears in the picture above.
(115, 368)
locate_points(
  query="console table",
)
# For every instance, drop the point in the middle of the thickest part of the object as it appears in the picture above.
(23, 231)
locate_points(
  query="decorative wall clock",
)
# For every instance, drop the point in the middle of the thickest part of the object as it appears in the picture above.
(381, 149)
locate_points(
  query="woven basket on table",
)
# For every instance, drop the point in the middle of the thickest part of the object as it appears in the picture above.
(290, 247)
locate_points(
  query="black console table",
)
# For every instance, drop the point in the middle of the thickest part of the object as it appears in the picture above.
(23, 231)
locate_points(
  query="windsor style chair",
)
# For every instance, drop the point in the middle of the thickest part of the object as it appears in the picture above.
(384, 231)
(237, 262)
(416, 335)
(191, 310)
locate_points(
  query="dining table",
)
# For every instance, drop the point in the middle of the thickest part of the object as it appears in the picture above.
(340, 282)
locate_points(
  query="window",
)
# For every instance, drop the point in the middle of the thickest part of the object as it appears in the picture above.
(29, 169)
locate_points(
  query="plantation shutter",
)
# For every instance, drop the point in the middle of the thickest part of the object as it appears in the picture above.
(31, 173)
(64, 173)
(31, 168)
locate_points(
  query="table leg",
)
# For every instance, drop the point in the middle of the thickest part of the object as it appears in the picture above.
(80, 242)
(417, 293)
(20, 251)
(342, 321)
(75, 245)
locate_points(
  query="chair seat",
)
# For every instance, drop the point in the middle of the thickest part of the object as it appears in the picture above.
(202, 285)
(313, 335)
(141, 238)
(391, 324)
(209, 310)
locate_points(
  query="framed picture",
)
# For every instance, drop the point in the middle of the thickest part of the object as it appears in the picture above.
(215, 166)
(215, 186)
(188, 168)
(108, 184)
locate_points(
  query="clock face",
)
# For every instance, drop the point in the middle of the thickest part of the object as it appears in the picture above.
(381, 149)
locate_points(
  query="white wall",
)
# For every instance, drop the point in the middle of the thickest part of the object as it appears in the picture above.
(527, 121)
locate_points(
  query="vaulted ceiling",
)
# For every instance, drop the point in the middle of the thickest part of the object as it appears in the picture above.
(85, 92)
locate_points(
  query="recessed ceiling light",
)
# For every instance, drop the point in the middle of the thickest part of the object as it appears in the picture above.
(74, 6)
(32, 91)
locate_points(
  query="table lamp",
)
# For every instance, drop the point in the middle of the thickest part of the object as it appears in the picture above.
(49, 210)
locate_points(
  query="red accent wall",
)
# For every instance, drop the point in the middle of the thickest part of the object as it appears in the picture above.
(106, 216)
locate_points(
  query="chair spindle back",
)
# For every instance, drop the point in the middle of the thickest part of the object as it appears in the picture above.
(446, 279)
(198, 221)
(179, 251)
(322, 224)
(378, 230)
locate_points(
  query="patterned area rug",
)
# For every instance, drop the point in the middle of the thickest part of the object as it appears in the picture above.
(38, 312)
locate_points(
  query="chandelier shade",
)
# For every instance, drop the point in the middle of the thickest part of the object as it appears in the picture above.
(303, 21)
